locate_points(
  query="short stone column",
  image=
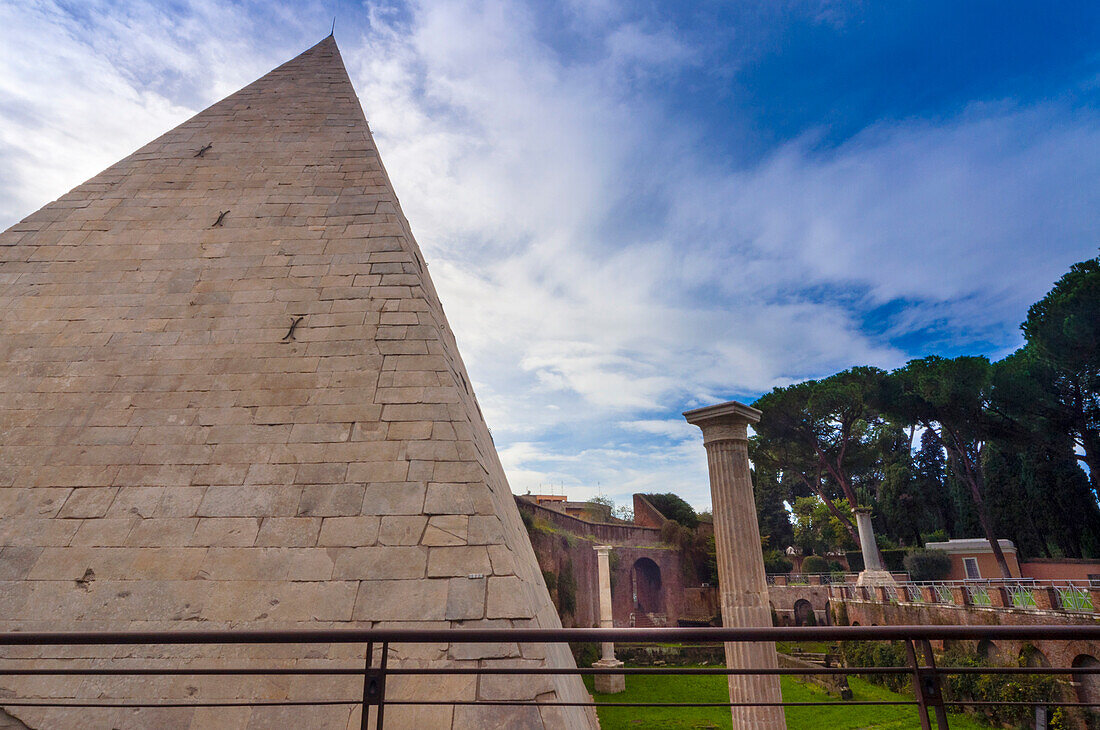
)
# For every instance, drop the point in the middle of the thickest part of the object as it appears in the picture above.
(1094, 594)
(741, 579)
(1046, 598)
(606, 683)
(874, 573)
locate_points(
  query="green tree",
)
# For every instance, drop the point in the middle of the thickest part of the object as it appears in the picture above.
(771, 513)
(1063, 353)
(817, 530)
(822, 432)
(1041, 500)
(674, 508)
(951, 398)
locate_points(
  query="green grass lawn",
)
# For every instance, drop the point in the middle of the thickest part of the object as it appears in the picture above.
(712, 688)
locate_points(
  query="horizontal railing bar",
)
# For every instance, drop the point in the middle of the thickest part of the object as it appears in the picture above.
(448, 671)
(525, 703)
(499, 703)
(485, 636)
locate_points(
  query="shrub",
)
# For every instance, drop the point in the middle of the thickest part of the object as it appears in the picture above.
(567, 590)
(1029, 689)
(584, 654)
(878, 654)
(939, 535)
(894, 560)
(776, 562)
(815, 564)
(924, 564)
(674, 508)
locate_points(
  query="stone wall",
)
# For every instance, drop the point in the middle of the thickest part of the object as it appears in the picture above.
(784, 599)
(605, 533)
(850, 612)
(564, 546)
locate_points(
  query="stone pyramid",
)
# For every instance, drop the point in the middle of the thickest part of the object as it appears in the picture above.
(229, 398)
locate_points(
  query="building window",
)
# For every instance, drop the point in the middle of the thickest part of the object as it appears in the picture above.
(971, 565)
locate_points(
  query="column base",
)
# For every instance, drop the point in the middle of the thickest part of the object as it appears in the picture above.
(875, 578)
(609, 684)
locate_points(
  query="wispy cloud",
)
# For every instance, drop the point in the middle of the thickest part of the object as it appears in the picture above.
(602, 266)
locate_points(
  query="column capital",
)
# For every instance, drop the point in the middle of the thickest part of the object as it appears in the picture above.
(723, 422)
(603, 549)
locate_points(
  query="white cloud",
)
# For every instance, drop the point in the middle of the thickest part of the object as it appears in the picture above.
(600, 267)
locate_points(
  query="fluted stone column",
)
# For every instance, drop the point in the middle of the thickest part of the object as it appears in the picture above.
(874, 573)
(742, 584)
(606, 683)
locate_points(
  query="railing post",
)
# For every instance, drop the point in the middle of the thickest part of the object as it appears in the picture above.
(959, 594)
(374, 686)
(1046, 598)
(1094, 593)
(998, 597)
(880, 594)
(928, 594)
(926, 686)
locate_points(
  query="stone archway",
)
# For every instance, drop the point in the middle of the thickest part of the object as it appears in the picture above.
(988, 650)
(1087, 685)
(1030, 656)
(804, 613)
(646, 580)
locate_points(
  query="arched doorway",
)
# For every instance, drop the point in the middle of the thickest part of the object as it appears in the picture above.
(988, 650)
(1087, 685)
(646, 583)
(804, 613)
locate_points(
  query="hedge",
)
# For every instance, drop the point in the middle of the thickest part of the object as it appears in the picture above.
(894, 559)
(924, 564)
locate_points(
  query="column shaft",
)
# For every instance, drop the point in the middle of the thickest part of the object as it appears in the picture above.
(742, 583)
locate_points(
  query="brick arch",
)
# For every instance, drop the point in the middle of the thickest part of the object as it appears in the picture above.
(647, 587)
(804, 613)
(986, 649)
(1086, 685)
(1032, 656)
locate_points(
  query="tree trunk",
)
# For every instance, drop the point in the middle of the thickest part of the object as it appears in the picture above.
(973, 479)
(851, 528)
(969, 471)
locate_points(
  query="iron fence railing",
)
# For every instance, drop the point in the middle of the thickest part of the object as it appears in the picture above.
(834, 578)
(1021, 594)
(926, 676)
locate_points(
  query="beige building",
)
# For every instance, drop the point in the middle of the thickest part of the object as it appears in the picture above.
(230, 398)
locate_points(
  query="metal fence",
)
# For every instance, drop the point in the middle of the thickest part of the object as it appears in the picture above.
(1025, 594)
(921, 668)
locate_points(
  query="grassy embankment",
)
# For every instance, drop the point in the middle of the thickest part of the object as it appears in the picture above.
(712, 688)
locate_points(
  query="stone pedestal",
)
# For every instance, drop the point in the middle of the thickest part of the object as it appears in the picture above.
(609, 683)
(742, 584)
(875, 578)
(606, 683)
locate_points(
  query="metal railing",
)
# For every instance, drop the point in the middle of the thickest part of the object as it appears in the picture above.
(825, 579)
(925, 675)
(1020, 594)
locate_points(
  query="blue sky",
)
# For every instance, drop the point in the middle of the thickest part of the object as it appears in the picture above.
(630, 209)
